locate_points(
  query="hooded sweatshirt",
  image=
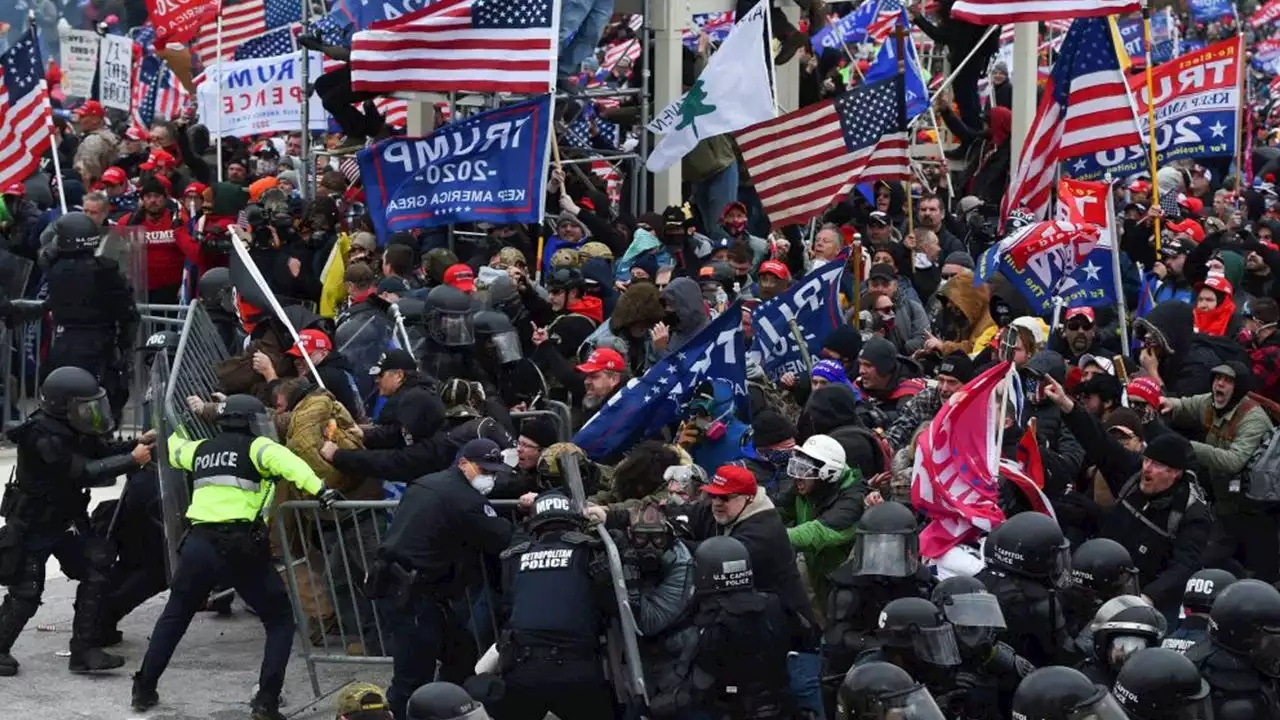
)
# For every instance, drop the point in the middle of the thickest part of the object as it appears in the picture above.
(975, 303)
(685, 298)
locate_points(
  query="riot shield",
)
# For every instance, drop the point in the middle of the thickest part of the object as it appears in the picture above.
(362, 340)
(127, 246)
(175, 491)
(14, 273)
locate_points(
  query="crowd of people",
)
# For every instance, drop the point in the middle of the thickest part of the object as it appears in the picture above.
(769, 550)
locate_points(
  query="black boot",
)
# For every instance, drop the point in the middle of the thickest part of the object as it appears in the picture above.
(92, 660)
(266, 709)
(145, 696)
(13, 617)
(8, 665)
(86, 651)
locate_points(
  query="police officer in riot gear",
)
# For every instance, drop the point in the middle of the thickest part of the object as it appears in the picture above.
(558, 589)
(63, 451)
(1241, 659)
(447, 350)
(1100, 570)
(92, 307)
(234, 477)
(1028, 562)
(737, 668)
(978, 621)
(218, 297)
(501, 355)
(443, 701)
(1160, 684)
(1124, 626)
(1197, 602)
(883, 691)
(1060, 693)
(884, 565)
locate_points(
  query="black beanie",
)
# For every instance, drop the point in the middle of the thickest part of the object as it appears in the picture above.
(540, 430)
(1169, 449)
(957, 365)
(881, 353)
(771, 428)
(845, 340)
(152, 186)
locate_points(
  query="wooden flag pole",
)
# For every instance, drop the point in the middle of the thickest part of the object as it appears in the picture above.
(900, 41)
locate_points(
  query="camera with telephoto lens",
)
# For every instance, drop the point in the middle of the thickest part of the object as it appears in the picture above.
(213, 238)
(259, 222)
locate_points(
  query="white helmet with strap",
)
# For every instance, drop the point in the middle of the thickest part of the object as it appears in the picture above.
(821, 457)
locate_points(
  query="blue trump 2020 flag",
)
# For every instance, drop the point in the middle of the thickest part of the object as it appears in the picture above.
(1050, 259)
(886, 65)
(489, 167)
(649, 403)
(1206, 11)
(852, 28)
(814, 303)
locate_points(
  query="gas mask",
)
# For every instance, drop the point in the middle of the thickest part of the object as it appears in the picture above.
(650, 542)
(712, 428)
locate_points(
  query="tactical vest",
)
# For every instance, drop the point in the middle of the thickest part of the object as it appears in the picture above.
(225, 461)
(553, 596)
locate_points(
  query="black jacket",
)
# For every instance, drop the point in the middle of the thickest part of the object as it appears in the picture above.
(442, 524)
(339, 378)
(396, 448)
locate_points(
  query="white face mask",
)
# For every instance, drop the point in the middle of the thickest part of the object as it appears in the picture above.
(483, 484)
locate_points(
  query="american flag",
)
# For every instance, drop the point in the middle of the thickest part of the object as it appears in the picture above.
(478, 46)
(999, 12)
(156, 93)
(804, 159)
(629, 49)
(394, 110)
(612, 181)
(885, 20)
(1085, 109)
(243, 22)
(578, 134)
(25, 118)
(635, 22)
(277, 42)
(1055, 27)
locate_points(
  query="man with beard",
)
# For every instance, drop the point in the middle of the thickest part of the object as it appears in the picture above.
(888, 381)
(1079, 334)
(1234, 425)
(932, 216)
(1168, 280)
(954, 371)
(168, 243)
(594, 381)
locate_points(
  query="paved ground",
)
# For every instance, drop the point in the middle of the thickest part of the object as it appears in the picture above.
(212, 675)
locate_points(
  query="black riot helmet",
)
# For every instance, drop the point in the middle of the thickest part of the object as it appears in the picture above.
(1063, 693)
(1124, 633)
(165, 341)
(1162, 684)
(1245, 619)
(722, 564)
(885, 543)
(1203, 588)
(883, 691)
(76, 232)
(74, 395)
(915, 624)
(216, 289)
(566, 280)
(245, 414)
(443, 701)
(972, 610)
(1104, 568)
(553, 510)
(1031, 545)
(497, 330)
(449, 317)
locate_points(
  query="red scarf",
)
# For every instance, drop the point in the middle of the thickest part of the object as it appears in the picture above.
(1215, 321)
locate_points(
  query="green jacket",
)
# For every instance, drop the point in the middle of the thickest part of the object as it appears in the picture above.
(823, 525)
(1222, 454)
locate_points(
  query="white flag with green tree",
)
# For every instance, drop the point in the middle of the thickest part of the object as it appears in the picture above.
(734, 91)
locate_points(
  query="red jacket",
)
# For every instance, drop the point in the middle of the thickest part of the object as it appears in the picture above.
(590, 306)
(169, 246)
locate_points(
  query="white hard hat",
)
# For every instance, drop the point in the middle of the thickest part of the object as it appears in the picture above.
(821, 455)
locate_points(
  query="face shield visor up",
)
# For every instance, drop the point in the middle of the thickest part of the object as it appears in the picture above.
(454, 329)
(936, 646)
(1109, 609)
(886, 554)
(506, 346)
(91, 415)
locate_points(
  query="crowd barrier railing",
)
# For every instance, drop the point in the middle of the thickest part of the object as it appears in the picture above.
(324, 556)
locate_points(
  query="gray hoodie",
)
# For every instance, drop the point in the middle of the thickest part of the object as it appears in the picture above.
(685, 298)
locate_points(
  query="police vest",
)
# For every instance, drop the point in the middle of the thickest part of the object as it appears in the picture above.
(553, 596)
(224, 474)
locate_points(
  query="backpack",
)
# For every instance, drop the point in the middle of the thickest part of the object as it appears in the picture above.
(1261, 473)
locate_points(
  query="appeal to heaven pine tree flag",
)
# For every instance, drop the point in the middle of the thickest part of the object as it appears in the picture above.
(734, 91)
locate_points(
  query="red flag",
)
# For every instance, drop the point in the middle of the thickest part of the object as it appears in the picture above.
(1083, 203)
(1027, 472)
(955, 479)
(176, 21)
(1266, 14)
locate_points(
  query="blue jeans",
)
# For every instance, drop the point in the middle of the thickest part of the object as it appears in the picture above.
(581, 24)
(805, 670)
(711, 195)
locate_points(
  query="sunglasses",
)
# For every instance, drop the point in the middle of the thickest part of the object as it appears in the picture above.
(1079, 325)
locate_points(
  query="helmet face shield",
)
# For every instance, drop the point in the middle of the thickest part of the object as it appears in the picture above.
(936, 646)
(1104, 707)
(974, 610)
(886, 554)
(803, 467)
(264, 425)
(506, 346)
(454, 330)
(1266, 652)
(91, 415)
(1060, 569)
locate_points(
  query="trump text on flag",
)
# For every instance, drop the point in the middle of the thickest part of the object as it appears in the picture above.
(260, 95)
(814, 303)
(1196, 101)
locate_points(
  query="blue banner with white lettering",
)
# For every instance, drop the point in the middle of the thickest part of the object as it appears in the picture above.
(1163, 47)
(489, 167)
(886, 65)
(1051, 259)
(649, 403)
(349, 16)
(814, 303)
(1206, 11)
(851, 27)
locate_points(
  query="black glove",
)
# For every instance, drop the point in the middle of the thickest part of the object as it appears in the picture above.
(328, 497)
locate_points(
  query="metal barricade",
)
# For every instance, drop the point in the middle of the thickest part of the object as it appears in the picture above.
(24, 350)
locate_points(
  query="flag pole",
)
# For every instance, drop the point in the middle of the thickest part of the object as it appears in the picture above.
(1115, 266)
(1241, 108)
(48, 101)
(304, 78)
(551, 138)
(1151, 118)
(773, 69)
(217, 113)
(899, 39)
